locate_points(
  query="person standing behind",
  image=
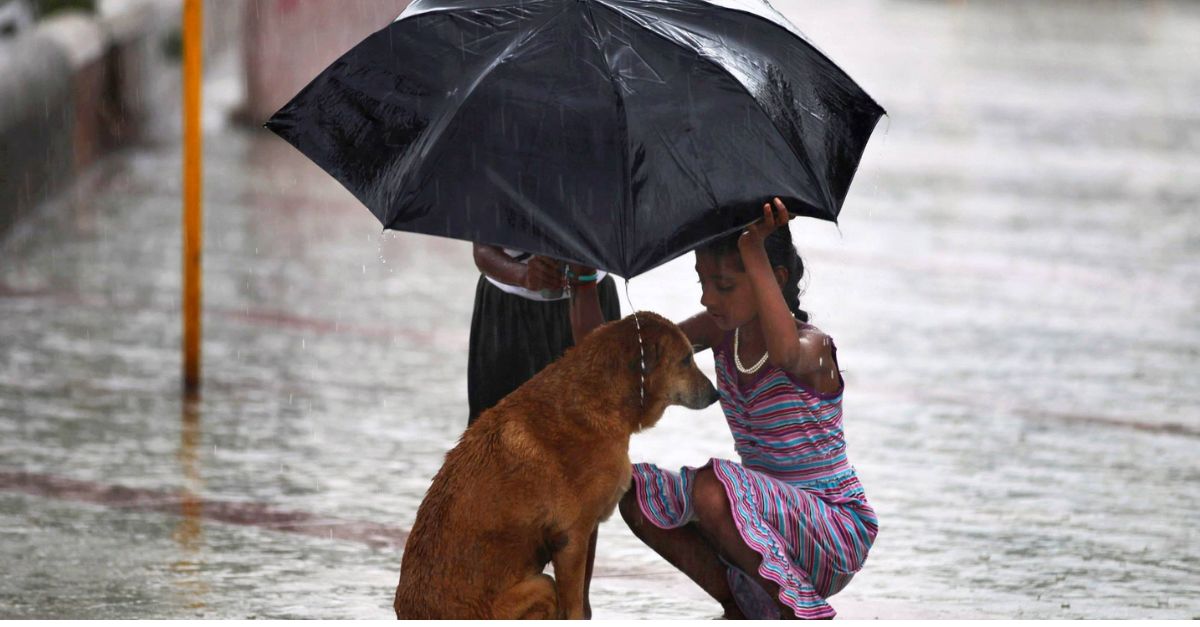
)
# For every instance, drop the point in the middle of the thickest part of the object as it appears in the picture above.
(521, 321)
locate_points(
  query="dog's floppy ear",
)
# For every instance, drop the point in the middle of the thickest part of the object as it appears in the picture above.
(650, 342)
(651, 357)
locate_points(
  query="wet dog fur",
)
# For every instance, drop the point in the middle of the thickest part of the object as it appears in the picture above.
(531, 479)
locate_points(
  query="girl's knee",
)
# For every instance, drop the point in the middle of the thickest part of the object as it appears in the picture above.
(708, 497)
(631, 512)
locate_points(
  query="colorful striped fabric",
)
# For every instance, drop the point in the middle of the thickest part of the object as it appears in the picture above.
(795, 498)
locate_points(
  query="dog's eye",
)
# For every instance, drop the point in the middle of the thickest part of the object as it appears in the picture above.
(686, 360)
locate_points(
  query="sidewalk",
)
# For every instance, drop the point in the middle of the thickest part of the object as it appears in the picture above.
(1012, 292)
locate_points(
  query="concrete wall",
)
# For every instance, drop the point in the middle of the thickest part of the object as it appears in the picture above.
(78, 85)
(286, 43)
(71, 89)
(36, 123)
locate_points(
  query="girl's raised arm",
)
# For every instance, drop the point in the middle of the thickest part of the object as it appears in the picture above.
(799, 353)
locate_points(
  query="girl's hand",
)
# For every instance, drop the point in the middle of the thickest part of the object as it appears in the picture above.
(773, 217)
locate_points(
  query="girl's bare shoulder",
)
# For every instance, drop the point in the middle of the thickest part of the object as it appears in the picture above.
(809, 331)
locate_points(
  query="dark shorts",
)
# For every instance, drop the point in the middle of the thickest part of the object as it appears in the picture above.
(513, 338)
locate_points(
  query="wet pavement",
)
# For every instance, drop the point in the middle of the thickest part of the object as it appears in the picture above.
(1013, 289)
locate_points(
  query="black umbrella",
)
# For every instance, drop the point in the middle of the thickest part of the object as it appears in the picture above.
(614, 133)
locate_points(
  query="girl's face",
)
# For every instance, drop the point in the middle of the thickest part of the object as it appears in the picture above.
(726, 292)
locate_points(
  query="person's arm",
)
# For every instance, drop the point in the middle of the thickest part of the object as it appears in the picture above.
(538, 274)
(787, 348)
(585, 310)
(702, 331)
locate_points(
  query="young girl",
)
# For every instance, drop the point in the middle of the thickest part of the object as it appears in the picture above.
(776, 534)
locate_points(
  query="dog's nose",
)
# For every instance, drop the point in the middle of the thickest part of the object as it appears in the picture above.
(712, 397)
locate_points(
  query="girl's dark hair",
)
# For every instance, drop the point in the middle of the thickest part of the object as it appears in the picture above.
(781, 252)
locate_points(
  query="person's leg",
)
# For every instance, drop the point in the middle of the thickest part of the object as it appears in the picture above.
(562, 338)
(686, 549)
(716, 524)
(587, 576)
(610, 302)
(509, 344)
(476, 358)
(496, 359)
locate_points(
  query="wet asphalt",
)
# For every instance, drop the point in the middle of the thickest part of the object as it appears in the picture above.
(1013, 290)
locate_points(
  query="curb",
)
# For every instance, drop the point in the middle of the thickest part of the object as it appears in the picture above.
(71, 90)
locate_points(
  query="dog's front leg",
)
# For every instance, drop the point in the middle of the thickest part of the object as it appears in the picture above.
(570, 569)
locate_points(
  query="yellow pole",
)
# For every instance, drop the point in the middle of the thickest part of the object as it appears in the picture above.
(193, 18)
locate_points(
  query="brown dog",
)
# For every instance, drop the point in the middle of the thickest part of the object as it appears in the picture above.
(529, 482)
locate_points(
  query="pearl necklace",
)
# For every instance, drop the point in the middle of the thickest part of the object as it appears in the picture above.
(737, 361)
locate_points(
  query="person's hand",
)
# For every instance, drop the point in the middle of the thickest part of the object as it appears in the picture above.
(543, 273)
(774, 216)
(577, 270)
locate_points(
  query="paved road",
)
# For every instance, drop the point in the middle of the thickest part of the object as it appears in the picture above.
(1013, 290)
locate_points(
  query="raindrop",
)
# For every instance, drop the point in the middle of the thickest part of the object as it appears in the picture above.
(302, 343)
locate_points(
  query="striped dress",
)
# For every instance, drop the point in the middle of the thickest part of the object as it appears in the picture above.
(795, 498)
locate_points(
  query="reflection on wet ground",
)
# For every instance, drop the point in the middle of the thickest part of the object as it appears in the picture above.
(1012, 289)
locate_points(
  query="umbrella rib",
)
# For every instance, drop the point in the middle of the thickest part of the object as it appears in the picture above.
(702, 179)
(803, 161)
(787, 25)
(789, 28)
(626, 192)
(436, 10)
(447, 117)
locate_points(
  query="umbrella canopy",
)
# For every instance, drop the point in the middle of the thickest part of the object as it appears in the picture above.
(613, 133)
